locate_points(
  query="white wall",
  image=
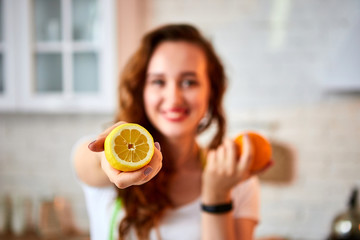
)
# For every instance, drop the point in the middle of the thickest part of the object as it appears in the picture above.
(277, 55)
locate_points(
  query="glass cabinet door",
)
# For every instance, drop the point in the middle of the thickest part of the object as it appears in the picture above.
(52, 55)
(84, 20)
(1, 74)
(47, 17)
(66, 47)
(49, 77)
(85, 31)
(1, 49)
(7, 83)
(85, 72)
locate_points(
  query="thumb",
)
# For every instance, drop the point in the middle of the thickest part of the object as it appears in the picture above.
(97, 145)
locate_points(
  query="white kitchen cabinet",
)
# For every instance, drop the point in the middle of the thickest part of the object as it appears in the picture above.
(57, 56)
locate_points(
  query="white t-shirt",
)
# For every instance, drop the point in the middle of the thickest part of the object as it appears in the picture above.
(186, 220)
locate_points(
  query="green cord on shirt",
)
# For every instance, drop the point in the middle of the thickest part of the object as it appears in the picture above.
(116, 210)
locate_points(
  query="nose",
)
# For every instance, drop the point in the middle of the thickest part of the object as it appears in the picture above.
(174, 94)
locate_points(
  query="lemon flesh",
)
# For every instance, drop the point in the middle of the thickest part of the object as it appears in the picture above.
(129, 147)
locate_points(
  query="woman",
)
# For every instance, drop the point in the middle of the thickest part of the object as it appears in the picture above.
(173, 86)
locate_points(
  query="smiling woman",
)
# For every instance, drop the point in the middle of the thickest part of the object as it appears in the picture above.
(176, 93)
(170, 85)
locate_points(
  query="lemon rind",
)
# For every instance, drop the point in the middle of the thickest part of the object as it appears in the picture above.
(117, 162)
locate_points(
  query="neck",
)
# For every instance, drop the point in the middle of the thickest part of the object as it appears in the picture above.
(183, 150)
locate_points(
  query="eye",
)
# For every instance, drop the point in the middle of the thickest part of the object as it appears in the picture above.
(189, 82)
(157, 82)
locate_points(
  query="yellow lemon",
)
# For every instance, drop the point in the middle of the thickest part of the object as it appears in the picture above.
(129, 147)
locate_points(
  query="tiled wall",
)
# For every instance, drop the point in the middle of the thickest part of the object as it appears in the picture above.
(277, 55)
(35, 160)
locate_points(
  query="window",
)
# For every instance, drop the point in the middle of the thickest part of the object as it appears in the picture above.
(65, 55)
(1, 49)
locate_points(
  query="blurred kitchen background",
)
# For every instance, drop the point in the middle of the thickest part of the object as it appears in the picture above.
(294, 75)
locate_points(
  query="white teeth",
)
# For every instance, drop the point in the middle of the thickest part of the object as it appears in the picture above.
(174, 114)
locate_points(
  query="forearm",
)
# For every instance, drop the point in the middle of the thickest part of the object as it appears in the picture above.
(88, 167)
(223, 171)
(217, 226)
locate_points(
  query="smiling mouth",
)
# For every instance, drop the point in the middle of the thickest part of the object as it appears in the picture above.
(175, 115)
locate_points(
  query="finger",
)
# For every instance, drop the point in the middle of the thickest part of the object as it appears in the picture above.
(143, 174)
(210, 160)
(246, 156)
(98, 144)
(155, 164)
(220, 159)
(127, 179)
(230, 158)
(157, 145)
(108, 169)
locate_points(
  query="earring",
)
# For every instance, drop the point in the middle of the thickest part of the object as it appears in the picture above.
(205, 121)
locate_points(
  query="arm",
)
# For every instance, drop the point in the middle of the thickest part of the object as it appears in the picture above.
(222, 172)
(93, 169)
(227, 227)
(245, 228)
(88, 166)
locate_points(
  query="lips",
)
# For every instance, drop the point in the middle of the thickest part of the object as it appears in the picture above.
(175, 114)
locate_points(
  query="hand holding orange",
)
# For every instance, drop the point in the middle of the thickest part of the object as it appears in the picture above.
(262, 150)
(129, 147)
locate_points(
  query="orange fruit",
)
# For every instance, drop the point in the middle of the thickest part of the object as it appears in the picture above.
(129, 147)
(261, 150)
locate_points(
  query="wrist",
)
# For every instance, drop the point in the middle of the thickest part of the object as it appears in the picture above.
(217, 208)
(215, 198)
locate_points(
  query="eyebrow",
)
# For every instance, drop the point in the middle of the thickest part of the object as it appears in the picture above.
(191, 74)
(154, 75)
(187, 73)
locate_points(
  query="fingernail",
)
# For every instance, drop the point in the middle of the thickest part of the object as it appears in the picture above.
(147, 171)
(157, 145)
(90, 144)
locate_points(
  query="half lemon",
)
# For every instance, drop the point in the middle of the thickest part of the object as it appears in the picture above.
(129, 147)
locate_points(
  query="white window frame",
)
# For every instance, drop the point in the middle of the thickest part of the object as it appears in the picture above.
(20, 78)
(8, 97)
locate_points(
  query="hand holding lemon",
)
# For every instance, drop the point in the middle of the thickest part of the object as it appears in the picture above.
(130, 155)
(129, 147)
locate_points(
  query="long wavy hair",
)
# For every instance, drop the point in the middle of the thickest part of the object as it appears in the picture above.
(146, 204)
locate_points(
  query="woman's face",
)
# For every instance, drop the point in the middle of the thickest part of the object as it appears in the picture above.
(177, 88)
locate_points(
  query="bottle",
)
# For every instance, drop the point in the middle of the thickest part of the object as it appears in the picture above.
(346, 226)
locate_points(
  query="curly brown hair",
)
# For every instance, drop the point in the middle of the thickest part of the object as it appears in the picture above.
(146, 204)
